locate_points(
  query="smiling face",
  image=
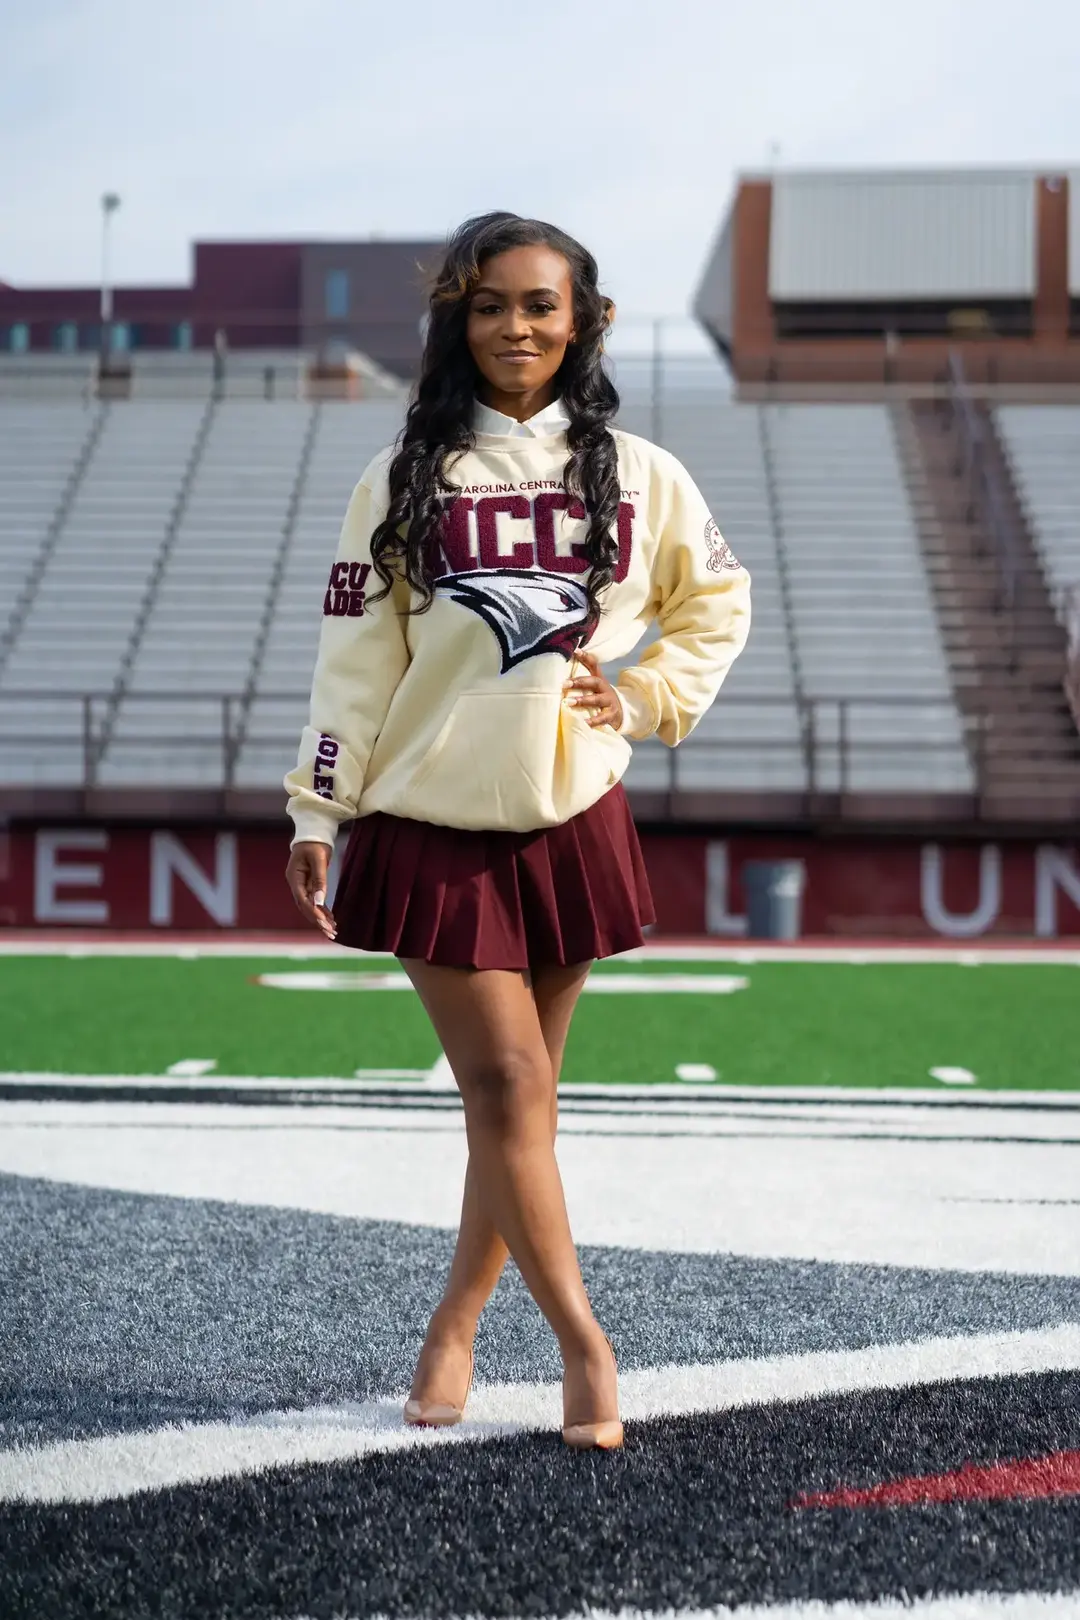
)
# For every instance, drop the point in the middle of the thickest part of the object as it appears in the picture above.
(521, 318)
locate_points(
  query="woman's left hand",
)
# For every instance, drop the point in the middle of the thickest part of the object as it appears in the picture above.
(595, 693)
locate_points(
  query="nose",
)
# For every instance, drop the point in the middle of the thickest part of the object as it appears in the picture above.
(515, 326)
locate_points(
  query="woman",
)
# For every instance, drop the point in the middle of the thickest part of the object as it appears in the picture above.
(512, 541)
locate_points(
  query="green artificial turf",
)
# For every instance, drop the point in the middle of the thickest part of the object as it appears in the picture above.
(796, 1024)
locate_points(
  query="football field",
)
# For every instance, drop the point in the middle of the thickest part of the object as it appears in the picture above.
(827, 1205)
(744, 1020)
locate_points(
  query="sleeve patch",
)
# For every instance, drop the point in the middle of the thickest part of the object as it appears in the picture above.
(345, 593)
(720, 553)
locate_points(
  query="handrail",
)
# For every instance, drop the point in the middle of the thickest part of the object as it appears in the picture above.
(157, 571)
(783, 574)
(277, 568)
(990, 497)
(72, 484)
(1070, 616)
(835, 754)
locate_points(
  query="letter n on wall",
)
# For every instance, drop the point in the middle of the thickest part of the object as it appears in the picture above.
(215, 891)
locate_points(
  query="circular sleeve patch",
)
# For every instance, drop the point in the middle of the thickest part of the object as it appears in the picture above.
(720, 553)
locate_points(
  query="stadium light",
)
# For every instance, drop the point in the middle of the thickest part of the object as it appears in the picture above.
(110, 202)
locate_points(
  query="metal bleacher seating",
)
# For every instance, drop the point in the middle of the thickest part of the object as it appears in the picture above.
(95, 567)
(180, 547)
(1043, 446)
(720, 445)
(863, 621)
(215, 581)
(346, 439)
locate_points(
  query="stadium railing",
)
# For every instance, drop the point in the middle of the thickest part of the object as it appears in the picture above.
(981, 469)
(1070, 614)
(885, 753)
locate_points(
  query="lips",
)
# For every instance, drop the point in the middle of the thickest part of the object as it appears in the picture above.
(516, 357)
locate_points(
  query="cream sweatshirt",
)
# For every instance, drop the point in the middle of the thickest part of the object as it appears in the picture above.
(457, 716)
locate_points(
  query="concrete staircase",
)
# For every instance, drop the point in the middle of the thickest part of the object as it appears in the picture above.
(1007, 662)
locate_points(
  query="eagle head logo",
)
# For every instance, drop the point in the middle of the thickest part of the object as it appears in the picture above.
(529, 611)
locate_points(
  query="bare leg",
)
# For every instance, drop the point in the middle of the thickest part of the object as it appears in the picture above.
(490, 1028)
(481, 1254)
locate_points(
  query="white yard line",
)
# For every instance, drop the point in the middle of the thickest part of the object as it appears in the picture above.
(440, 1075)
(103, 1469)
(971, 1606)
(1050, 955)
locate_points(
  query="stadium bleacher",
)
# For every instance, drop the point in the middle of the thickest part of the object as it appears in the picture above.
(346, 439)
(1043, 446)
(196, 539)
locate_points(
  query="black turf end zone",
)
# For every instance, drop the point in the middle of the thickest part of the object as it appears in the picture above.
(695, 1513)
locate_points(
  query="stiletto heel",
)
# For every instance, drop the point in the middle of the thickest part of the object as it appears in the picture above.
(607, 1435)
(437, 1414)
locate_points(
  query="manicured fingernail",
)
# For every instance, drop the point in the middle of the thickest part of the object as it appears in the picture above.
(320, 897)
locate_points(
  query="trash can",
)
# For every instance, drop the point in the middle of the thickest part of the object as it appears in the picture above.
(774, 891)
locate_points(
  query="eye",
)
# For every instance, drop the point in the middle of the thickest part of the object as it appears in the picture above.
(544, 307)
(486, 309)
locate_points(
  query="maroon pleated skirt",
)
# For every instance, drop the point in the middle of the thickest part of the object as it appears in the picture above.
(560, 895)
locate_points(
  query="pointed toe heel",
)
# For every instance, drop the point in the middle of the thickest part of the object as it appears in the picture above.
(437, 1414)
(607, 1435)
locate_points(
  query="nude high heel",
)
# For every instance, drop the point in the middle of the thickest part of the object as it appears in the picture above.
(437, 1414)
(607, 1435)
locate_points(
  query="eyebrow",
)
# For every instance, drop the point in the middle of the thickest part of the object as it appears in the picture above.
(498, 292)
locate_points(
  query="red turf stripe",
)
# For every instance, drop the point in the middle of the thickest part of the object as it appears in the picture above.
(1055, 1475)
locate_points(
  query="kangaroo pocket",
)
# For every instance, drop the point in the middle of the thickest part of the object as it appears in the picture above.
(513, 761)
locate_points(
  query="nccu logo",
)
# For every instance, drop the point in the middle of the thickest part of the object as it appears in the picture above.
(322, 777)
(345, 593)
(470, 534)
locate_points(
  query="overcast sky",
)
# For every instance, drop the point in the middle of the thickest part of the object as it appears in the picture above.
(622, 120)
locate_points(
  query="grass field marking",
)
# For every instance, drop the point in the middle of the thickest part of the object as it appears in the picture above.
(334, 981)
(636, 984)
(192, 1066)
(440, 1077)
(1064, 954)
(950, 1075)
(108, 1467)
(841, 1097)
(386, 1074)
(695, 1072)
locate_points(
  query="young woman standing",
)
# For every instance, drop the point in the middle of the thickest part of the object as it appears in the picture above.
(512, 540)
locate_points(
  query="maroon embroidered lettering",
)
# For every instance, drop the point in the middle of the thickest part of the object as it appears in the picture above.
(626, 541)
(345, 593)
(454, 535)
(457, 552)
(520, 555)
(322, 777)
(544, 509)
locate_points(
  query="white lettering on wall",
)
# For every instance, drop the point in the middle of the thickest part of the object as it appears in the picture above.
(1053, 871)
(960, 925)
(718, 919)
(50, 875)
(216, 892)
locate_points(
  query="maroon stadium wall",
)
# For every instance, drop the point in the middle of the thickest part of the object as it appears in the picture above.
(186, 878)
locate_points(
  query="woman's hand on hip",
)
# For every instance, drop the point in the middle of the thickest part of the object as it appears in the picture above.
(595, 693)
(306, 877)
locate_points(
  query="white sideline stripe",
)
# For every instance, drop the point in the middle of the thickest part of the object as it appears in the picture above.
(642, 1091)
(113, 1466)
(971, 1606)
(1010, 956)
(634, 984)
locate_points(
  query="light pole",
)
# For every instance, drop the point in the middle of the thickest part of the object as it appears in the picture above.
(110, 202)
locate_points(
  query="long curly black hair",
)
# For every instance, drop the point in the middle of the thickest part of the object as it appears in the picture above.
(438, 426)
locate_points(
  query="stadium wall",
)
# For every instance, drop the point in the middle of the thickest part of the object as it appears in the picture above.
(184, 878)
